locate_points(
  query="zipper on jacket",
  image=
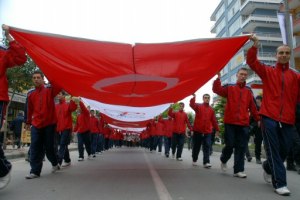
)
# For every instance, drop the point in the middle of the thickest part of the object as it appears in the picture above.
(239, 105)
(282, 91)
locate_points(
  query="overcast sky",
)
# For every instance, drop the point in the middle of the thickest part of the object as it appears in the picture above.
(127, 21)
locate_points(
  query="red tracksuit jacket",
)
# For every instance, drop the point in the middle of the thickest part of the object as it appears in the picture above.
(64, 114)
(205, 118)
(83, 120)
(13, 56)
(239, 101)
(280, 89)
(40, 106)
(180, 121)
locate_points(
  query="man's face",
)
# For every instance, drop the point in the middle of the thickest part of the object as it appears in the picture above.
(181, 106)
(242, 76)
(283, 54)
(60, 96)
(206, 99)
(258, 102)
(37, 80)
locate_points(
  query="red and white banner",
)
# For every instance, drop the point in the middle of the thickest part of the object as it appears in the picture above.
(126, 113)
(144, 75)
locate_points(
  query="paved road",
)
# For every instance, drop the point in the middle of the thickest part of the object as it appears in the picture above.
(135, 174)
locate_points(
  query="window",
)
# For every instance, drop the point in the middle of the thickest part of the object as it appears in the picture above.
(220, 26)
(220, 12)
(233, 10)
(235, 26)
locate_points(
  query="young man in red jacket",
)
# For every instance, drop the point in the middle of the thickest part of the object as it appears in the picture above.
(180, 122)
(40, 115)
(280, 92)
(94, 130)
(64, 126)
(205, 121)
(240, 101)
(13, 56)
(168, 135)
(82, 128)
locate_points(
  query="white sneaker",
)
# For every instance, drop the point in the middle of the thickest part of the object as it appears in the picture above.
(223, 167)
(32, 176)
(284, 191)
(66, 164)
(207, 165)
(80, 159)
(55, 168)
(179, 159)
(173, 156)
(89, 157)
(5, 180)
(194, 163)
(267, 177)
(240, 175)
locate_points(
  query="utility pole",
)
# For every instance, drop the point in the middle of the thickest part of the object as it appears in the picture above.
(289, 33)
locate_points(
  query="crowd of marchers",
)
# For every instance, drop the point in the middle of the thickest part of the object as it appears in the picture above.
(272, 118)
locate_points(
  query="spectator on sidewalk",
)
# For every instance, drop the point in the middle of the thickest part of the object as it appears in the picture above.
(280, 89)
(16, 127)
(40, 118)
(11, 57)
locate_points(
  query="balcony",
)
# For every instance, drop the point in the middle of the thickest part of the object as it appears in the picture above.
(254, 78)
(248, 6)
(267, 57)
(293, 4)
(271, 37)
(296, 26)
(250, 22)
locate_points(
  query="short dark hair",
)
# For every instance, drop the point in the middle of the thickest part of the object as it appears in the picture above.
(242, 68)
(64, 93)
(181, 103)
(38, 72)
(206, 95)
(258, 97)
(284, 45)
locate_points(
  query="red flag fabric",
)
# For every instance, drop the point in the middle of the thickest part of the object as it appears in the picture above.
(125, 124)
(115, 73)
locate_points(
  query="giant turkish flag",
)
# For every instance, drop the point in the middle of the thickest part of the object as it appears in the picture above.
(142, 75)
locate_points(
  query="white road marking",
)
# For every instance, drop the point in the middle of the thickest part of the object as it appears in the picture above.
(159, 185)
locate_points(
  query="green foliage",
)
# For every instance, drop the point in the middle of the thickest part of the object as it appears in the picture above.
(191, 117)
(219, 109)
(19, 78)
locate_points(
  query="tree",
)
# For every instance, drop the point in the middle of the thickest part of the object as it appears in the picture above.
(219, 111)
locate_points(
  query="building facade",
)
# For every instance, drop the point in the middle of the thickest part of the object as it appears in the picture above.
(294, 8)
(238, 17)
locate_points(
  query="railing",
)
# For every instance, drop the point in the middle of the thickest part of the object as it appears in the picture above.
(260, 17)
(243, 2)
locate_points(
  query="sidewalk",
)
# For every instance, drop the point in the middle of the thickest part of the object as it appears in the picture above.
(11, 153)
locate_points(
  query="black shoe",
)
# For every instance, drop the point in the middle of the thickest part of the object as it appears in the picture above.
(249, 159)
(258, 161)
(291, 167)
(298, 168)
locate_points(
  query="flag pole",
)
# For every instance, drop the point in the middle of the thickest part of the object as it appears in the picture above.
(289, 33)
